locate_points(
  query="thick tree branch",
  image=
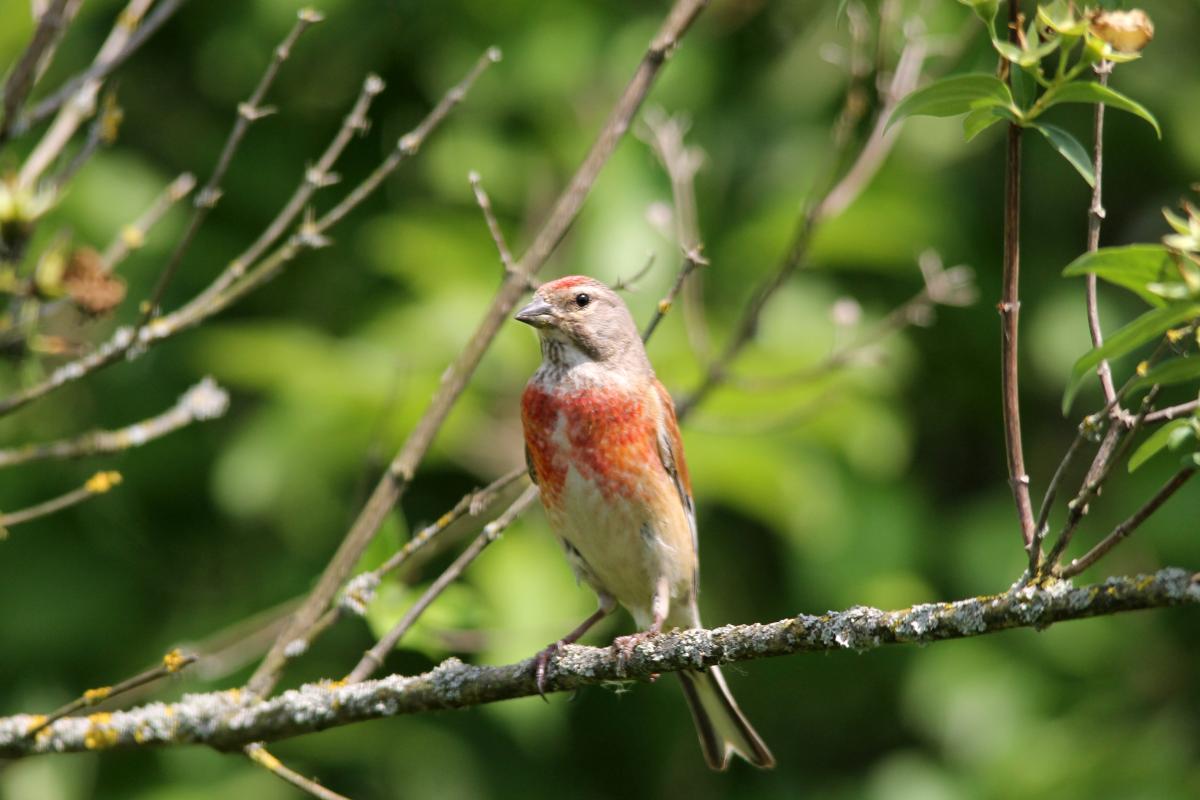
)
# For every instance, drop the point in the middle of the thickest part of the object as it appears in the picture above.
(233, 719)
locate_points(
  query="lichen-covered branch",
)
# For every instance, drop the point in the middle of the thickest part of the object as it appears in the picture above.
(232, 719)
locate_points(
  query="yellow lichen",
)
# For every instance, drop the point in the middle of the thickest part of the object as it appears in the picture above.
(93, 696)
(175, 660)
(100, 734)
(101, 482)
(133, 237)
(261, 756)
(36, 721)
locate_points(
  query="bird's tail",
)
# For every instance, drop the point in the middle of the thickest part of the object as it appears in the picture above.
(722, 727)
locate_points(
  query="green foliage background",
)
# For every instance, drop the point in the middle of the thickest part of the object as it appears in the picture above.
(890, 492)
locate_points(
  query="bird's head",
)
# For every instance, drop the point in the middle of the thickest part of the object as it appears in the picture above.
(586, 319)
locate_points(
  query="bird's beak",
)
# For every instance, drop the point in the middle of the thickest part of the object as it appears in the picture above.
(538, 313)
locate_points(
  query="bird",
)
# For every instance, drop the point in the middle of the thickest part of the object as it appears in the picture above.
(603, 445)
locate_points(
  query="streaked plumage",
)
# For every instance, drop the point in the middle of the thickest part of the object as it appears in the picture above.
(603, 444)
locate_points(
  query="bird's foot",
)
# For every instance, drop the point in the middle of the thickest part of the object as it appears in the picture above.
(624, 646)
(542, 663)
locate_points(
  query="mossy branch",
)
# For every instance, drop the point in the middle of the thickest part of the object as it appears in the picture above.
(232, 719)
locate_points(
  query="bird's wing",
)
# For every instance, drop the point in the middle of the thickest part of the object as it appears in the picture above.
(529, 465)
(670, 451)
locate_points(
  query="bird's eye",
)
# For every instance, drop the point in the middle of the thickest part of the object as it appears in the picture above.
(582, 300)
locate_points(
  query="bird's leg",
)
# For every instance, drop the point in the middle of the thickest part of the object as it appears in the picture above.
(542, 660)
(659, 606)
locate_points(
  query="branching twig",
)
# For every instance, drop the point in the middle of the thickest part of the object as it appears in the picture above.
(77, 99)
(692, 259)
(206, 400)
(1128, 526)
(99, 483)
(132, 37)
(454, 379)
(234, 719)
(904, 80)
(373, 658)
(172, 663)
(259, 755)
(24, 75)
(485, 205)
(207, 198)
(1173, 412)
(133, 236)
(1111, 450)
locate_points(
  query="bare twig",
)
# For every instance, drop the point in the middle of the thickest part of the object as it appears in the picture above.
(230, 719)
(133, 236)
(692, 259)
(132, 37)
(908, 70)
(630, 284)
(24, 75)
(128, 343)
(172, 663)
(318, 176)
(485, 205)
(1010, 309)
(1173, 412)
(360, 590)
(454, 379)
(1095, 218)
(1112, 449)
(1042, 528)
(206, 400)
(99, 483)
(259, 755)
(81, 94)
(373, 658)
(1130, 525)
(101, 133)
(207, 198)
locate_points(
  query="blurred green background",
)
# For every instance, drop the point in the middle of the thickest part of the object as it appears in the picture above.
(889, 491)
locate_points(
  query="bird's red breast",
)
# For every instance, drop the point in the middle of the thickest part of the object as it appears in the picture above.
(607, 434)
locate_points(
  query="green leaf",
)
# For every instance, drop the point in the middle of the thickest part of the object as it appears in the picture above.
(1070, 149)
(1060, 17)
(952, 96)
(1169, 373)
(1146, 327)
(1027, 58)
(1092, 92)
(984, 9)
(979, 120)
(1134, 267)
(1156, 442)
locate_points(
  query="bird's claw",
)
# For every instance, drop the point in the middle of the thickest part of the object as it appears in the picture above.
(541, 664)
(624, 647)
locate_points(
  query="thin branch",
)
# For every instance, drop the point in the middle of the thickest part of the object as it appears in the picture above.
(1095, 218)
(101, 133)
(133, 236)
(82, 95)
(373, 658)
(24, 75)
(904, 80)
(1127, 527)
(359, 591)
(1111, 451)
(318, 176)
(1042, 528)
(98, 484)
(206, 200)
(454, 380)
(485, 206)
(630, 284)
(1173, 412)
(129, 343)
(109, 59)
(204, 401)
(692, 259)
(172, 663)
(231, 719)
(665, 135)
(1010, 309)
(259, 755)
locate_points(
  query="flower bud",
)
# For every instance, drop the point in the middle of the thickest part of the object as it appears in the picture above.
(1124, 31)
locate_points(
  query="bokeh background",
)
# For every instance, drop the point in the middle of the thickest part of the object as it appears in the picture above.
(883, 484)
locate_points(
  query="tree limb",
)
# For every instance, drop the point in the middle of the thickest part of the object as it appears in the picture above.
(232, 719)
